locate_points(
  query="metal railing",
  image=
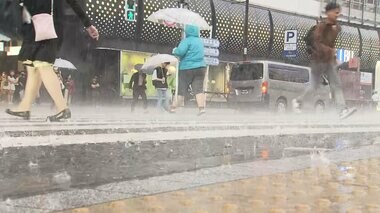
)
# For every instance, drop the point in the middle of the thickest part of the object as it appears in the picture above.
(366, 12)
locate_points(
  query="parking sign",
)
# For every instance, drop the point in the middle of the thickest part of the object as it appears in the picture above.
(290, 43)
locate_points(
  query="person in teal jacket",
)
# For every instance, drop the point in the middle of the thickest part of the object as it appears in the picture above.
(192, 66)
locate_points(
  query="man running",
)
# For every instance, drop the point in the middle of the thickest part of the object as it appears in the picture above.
(323, 61)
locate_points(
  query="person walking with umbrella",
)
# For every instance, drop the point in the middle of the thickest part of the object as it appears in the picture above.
(160, 82)
(192, 67)
(41, 41)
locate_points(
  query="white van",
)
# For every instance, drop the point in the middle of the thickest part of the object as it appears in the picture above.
(274, 85)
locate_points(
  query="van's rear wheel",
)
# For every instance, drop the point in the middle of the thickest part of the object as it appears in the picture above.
(320, 107)
(281, 105)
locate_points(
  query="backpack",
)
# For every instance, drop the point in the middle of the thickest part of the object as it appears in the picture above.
(309, 39)
(10, 18)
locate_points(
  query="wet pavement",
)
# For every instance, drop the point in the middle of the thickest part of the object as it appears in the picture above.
(343, 187)
(103, 155)
(337, 181)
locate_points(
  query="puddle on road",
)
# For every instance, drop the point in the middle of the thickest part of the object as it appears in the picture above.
(349, 187)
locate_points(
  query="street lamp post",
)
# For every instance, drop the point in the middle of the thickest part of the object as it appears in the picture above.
(245, 43)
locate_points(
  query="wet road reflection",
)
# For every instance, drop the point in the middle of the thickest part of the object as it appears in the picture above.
(349, 187)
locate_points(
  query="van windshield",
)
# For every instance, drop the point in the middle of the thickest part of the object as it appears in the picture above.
(247, 72)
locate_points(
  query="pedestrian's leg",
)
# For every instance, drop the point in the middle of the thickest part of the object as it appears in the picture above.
(144, 99)
(167, 100)
(10, 96)
(159, 99)
(336, 86)
(315, 80)
(135, 100)
(183, 84)
(197, 87)
(66, 95)
(31, 91)
(52, 85)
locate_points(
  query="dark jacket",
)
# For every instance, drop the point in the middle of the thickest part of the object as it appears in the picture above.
(324, 42)
(161, 73)
(44, 6)
(134, 82)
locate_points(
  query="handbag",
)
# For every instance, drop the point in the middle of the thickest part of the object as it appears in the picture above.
(44, 25)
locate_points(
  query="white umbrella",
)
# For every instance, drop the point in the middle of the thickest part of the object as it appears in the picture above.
(61, 63)
(4, 38)
(179, 17)
(158, 59)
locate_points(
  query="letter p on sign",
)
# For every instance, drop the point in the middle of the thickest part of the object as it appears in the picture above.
(291, 37)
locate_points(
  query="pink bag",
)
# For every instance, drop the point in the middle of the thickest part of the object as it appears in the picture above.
(44, 25)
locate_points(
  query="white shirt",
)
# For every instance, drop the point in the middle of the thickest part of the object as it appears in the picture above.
(154, 76)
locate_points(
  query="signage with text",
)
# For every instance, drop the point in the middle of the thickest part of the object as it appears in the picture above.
(290, 43)
(208, 42)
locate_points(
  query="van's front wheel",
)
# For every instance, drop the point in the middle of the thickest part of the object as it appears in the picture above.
(281, 105)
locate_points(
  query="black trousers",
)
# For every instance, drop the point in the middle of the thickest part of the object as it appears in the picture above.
(137, 92)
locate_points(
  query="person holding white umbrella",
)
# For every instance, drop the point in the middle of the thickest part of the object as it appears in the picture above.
(160, 82)
(192, 67)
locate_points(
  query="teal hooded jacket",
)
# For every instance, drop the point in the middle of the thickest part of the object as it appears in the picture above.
(191, 50)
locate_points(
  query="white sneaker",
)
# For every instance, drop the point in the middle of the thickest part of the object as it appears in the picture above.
(346, 112)
(296, 106)
(202, 112)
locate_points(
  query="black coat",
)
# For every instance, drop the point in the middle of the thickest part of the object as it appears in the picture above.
(134, 82)
(44, 6)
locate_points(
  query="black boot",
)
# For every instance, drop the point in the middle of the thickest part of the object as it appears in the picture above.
(63, 115)
(25, 115)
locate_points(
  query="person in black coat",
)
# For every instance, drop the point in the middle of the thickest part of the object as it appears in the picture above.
(39, 56)
(138, 86)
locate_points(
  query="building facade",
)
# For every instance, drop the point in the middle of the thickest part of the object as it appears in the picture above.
(266, 29)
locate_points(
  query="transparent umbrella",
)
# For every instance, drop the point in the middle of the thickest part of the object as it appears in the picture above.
(61, 63)
(4, 38)
(156, 60)
(179, 17)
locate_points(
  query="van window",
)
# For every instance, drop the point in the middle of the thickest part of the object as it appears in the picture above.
(288, 73)
(247, 72)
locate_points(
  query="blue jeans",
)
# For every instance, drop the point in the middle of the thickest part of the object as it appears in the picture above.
(163, 99)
